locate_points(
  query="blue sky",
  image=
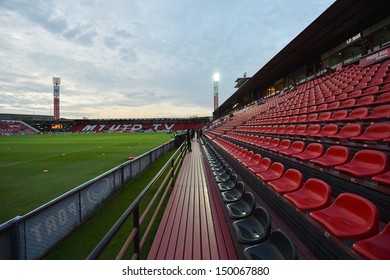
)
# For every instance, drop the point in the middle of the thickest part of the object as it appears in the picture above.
(138, 58)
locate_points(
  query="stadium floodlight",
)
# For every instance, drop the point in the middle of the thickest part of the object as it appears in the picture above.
(216, 77)
(215, 82)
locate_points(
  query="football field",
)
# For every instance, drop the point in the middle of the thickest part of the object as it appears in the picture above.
(35, 169)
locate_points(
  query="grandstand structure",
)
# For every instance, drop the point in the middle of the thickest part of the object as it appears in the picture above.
(303, 174)
(295, 163)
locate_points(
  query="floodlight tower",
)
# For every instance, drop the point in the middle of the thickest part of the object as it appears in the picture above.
(56, 94)
(215, 82)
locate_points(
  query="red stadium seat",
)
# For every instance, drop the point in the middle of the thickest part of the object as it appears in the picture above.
(334, 105)
(313, 150)
(314, 195)
(355, 93)
(312, 129)
(366, 163)
(348, 131)
(328, 129)
(379, 112)
(349, 217)
(295, 148)
(365, 101)
(375, 132)
(290, 130)
(247, 157)
(254, 161)
(290, 181)
(263, 165)
(376, 247)
(383, 98)
(383, 179)
(371, 90)
(300, 130)
(283, 145)
(348, 103)
(324, 116)
(334, 155)
(322, 107)
(358, 113)
(312, 118)
(273, 173)
(338, 115)
(274, 143)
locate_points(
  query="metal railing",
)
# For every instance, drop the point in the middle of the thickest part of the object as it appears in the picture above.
(170, 169)
(34, 234)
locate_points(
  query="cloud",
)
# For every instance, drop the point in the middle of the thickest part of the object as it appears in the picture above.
(138, 58)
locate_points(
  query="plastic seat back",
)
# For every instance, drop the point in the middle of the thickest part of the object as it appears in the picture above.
(324, 116)
(382, 111)
(284, 244)
(358, 113)
(339, 115)
(376, 247)
(366, 163)
(375, 132)
(348, 131)
(360, 207)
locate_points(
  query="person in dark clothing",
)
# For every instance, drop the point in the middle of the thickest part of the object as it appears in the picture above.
(189, 140)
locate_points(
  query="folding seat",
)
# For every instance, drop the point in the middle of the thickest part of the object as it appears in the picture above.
(266, 142)
(226, 175)
(366, 163)
(300, 130)
(312, 151)
(349, 217)
(264, 165)
(302, 118)
(254, 160)
(365, 100)
(322, 107)
(383, 98)
(312, 118)
(312, 109)
(325, 116)
(375, 132)
(242, 208)
(358, 113)
(355, 93)
(293, 119)
(312, 129)
(228, 184)
(314, 195)
(348, 131)
(334, 155)
(273, 173)
(281, 129)
(328, 129)
(379, 112)
(334, 105)
(386, 87)
(254, 229)
(376, 247)
(362, 85)
(290, 181)
(248, 156)
(342, 96)
(338, 116)
(295, 148)
(348, 103)
(371, 90)
(303, 110)
(283, 145)
(274, 143)
(290, 130)
(234, 194)
(278, 247)
(383, 178)
(241, 153)
(259, 141)
(330, 99)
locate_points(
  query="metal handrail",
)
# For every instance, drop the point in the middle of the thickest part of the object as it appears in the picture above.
(133, 209)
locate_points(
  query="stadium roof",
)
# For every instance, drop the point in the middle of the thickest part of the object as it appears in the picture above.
(343, 19)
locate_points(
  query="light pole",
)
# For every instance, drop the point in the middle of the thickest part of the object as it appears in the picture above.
(216, 78)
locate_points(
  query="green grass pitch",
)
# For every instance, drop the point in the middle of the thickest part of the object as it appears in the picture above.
(35, 169)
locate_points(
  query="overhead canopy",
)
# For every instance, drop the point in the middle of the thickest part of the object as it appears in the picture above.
(343, 19)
